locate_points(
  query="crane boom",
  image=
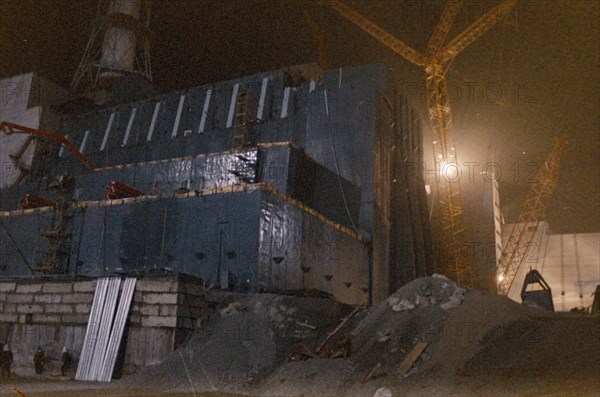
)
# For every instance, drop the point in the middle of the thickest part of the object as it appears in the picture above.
(379, 33)
(441, 30)
(476, 30)
(519, 243)
(456, 256)
(12, 128)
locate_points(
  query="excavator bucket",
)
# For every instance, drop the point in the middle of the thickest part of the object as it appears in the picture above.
(536, 290)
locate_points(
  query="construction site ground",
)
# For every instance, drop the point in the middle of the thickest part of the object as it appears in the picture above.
(469, 344)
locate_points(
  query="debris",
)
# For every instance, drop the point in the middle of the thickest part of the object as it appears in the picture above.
(233, 308)
(301, 353)
(383, 392)
(371, 373)
(458, 295)
(19, 392)
(413, 356)
(342, 348)
(403, 305)
(335, 331)
(306, 325)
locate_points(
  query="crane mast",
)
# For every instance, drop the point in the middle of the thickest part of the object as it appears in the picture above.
(519, 243)
(435, 61)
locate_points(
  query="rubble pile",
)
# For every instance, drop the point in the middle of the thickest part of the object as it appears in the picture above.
(272, 345)
(243, 341)
(385, 334)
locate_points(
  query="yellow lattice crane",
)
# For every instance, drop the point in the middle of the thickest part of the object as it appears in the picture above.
(435, 61)
(519, 243)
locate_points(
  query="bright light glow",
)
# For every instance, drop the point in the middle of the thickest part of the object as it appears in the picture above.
(500, 278)
(450, 171)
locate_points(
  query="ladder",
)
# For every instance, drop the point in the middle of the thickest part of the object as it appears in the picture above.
(241, 137)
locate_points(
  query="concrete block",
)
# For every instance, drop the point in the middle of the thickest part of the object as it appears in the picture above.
(60, 288)
(3, 297)
(24, 318)
(83, 308)
(8, 318)
(149, 310)
(30, 309)
(135, 318)
(58, 308)
(167, 299)
(137, 296)
(28, 288)
(20, 298)
(157, 321)
(47, 298)
(84, 286)
(7, 286)
(74, 319)
(78, 298)
(156, 286)
(45, 318)
(9, 308)
(168, 310)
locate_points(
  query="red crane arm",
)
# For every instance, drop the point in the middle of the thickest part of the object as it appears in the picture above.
(11, 128)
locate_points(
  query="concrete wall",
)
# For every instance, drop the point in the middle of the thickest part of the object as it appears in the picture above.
(53, 314)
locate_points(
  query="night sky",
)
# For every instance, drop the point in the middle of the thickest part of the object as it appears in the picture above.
(530, 78)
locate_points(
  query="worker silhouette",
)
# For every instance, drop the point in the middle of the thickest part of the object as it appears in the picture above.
(38, 360)
(65, 359)
(6, 359)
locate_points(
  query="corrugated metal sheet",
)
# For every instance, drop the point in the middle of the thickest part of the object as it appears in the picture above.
(91, 333)
(108, 364)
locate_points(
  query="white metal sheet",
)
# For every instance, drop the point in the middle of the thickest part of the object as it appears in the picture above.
(129, 124)
(178, 116)
(232, 104)
(263, 96)
(286, 100)
(205, 111)
(116, 334)
(153, 122)
(107, 131)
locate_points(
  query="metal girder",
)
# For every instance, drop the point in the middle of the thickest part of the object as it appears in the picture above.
(533, 211)
(438, 37)
(476, 30)
(380, 34)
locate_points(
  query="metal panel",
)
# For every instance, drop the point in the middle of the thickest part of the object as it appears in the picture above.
(83, 142)
(116, 334)
(178, 116)
(153, 122)
(89, 344)
(105, 324)
(129, 124)
(107, 131)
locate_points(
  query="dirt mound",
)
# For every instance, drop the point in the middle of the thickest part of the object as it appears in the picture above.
(247, 344)
(563, 342)
(242, 342)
